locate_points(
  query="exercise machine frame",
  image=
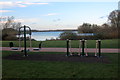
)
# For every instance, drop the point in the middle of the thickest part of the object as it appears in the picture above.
(25, 47)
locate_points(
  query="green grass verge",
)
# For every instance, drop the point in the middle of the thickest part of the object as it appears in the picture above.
(113, 43)
(47, 69)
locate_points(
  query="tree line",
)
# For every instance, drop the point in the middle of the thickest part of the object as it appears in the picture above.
(108, 30)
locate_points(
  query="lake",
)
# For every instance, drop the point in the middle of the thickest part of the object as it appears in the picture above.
(42, 36)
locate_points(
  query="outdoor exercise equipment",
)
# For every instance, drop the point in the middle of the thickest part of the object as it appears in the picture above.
(67, 47)
(11, 44)
(14, 48)
(36, 49)
(83, 48)
(82, 45)
(25, 47)
(70, 46)
(40, 46)
(98, 48)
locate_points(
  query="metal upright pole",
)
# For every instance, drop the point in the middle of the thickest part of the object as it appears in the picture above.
(19, 39)
(25, 52)
(30, 37)
(19, 43)
(99, 47)
(96, 48)
(70, 47)
(30, 43)
(86, 47)
(83, 46)
(67, 47)
(79, 47)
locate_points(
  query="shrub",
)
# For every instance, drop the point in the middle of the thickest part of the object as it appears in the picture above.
(68, 35)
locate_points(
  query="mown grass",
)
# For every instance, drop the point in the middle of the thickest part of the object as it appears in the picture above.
(48, 69)
(112, 43)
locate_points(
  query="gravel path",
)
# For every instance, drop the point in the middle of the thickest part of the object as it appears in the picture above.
(103, 50)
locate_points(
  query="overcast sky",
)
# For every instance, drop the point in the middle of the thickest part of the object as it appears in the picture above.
(57, 14)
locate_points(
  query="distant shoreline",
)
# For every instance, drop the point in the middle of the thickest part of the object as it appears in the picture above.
(54, 30)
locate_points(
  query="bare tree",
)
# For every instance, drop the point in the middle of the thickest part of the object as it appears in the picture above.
(9, 28)
(114, 18)
(8, 22)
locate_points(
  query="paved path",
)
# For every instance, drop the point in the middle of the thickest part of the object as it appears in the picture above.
(103, 50)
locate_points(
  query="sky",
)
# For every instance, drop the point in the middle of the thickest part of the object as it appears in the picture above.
(58, 14)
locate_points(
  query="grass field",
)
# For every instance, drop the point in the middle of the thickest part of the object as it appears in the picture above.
(113, 43)
(48, 69)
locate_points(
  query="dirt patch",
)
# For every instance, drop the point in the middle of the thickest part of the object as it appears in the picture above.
(58, 57)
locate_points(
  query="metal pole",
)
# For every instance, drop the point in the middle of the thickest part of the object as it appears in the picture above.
(67, 47)
(19, 40)
(40, 44)
(86, 47)
(79, 47)
(19, 43)
(25, 52)
(70, 47)
(30, 43)
(99, 47)
(96, 47)
(30, 37)
(83, 46)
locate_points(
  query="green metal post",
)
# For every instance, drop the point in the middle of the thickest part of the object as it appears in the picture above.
(67, 47)
(99, 47)
(40, 45)
(25, 52)
(83, 46)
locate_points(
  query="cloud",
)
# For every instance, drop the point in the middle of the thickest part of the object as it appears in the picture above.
(23, 21)
(51, 14)
(29, 20)
(106, 16)
(30, 3)
(3, 11)
(10, 4)
(4, 20)
(70, 0)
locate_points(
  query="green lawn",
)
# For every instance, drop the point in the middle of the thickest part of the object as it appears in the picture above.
(112, 43)
(47, 69)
